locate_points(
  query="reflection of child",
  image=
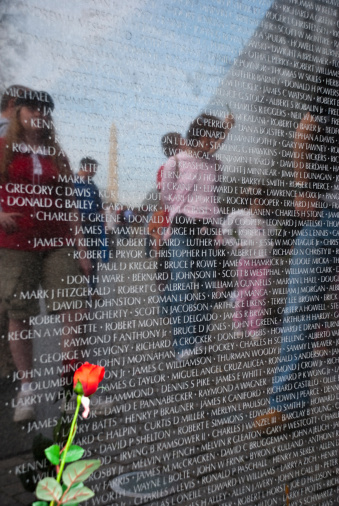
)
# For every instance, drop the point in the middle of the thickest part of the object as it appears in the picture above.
(247, 232)
(189, 186)
(157, 224)
(172, 143)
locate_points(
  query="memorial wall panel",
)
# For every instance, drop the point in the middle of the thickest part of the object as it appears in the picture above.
(169, 213)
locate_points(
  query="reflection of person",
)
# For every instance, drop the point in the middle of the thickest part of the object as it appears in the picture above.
(246, 231)
(122, 223)
(7, 105)
(171, 143)
(312, 268)
(7, 109)
(90, 205)
(158, 222)
(190, 190)
(36, 223)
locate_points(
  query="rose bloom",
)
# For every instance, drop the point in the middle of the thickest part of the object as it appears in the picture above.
(89, 375)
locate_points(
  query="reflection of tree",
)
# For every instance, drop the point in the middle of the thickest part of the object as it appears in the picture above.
(11, 42)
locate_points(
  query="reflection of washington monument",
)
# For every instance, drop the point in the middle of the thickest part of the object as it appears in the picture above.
(113, 183)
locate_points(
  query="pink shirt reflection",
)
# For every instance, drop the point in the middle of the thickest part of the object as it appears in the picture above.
(190, 186)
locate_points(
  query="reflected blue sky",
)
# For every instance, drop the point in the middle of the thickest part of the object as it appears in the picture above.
(148, 66)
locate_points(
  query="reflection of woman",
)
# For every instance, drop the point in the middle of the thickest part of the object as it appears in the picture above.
(35, 230)
(190, 189)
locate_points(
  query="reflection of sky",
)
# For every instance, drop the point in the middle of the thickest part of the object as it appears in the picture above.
(148, 66)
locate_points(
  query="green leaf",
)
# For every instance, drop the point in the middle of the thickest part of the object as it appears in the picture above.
(40, 503)
(75, 452)
(77, 494)
(48, 489)
(53, 454)
(79, 471)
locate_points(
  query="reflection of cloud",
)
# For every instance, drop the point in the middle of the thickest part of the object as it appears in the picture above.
(194, 84)
(51, 31)
(149, 67)
(12, 45)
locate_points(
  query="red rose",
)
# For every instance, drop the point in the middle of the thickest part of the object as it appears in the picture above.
(89, 376)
